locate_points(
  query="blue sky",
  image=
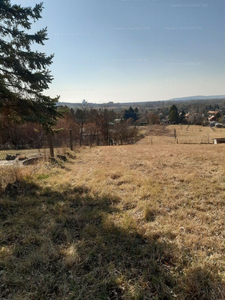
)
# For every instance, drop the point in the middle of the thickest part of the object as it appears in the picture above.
(134, 50)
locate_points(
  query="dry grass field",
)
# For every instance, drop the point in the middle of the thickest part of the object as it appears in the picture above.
(142, 221)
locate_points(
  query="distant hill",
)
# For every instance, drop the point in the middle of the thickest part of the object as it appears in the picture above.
(198, 98)
(136, 103)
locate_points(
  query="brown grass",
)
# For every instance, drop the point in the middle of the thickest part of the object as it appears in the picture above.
(197, 134)
(142, 221)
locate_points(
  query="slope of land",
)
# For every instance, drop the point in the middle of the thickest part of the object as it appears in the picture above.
(143, 221)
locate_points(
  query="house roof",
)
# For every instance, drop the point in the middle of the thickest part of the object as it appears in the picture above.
(213, 112)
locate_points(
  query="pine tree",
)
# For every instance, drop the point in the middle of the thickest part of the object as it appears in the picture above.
(174, 115)
(131, 113)
(24, 73)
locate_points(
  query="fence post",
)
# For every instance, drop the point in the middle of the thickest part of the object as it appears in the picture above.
(71, 140)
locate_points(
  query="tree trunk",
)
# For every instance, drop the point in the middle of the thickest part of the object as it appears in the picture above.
(81, 134)
(71, 140)
(50, 142)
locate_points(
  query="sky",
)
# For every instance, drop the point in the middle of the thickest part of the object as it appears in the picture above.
(133, 50)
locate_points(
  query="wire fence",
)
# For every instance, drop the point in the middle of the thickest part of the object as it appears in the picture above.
(41, 146)
(16, 151)
(29, 141)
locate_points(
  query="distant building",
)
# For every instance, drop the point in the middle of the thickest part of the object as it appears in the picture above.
(213, 112)
(84, 102)
(211, 118)
(219, 140)
(117, 120)
(219, 125)
(164, 121)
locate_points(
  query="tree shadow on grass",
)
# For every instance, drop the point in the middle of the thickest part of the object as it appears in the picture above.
(66, 245)
(203, 282)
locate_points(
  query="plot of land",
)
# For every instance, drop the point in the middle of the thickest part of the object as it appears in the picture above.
(142, 221)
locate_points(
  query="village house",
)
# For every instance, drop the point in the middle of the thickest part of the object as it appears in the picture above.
(212, 115)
